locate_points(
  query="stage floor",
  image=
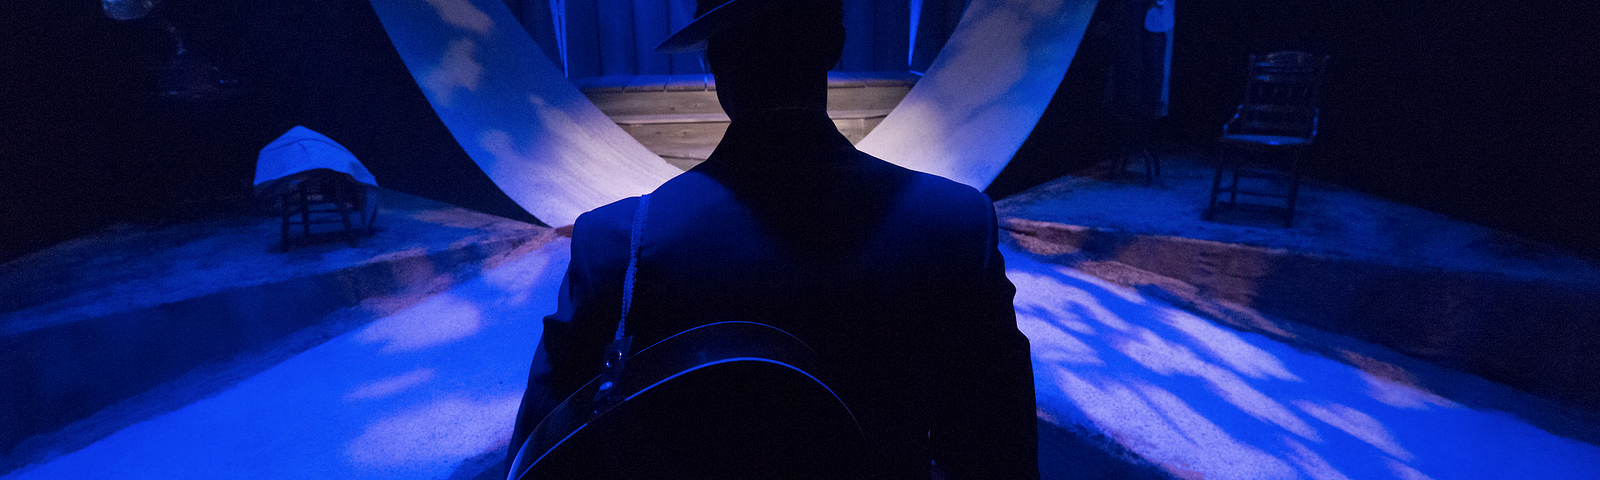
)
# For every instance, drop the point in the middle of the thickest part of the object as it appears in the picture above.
(1140, 373)
(1330, 221)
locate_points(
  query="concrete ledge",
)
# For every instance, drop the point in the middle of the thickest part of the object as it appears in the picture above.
(62, 363)
(1534, 333)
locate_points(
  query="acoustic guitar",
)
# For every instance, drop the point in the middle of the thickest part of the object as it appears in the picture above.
(723, 400)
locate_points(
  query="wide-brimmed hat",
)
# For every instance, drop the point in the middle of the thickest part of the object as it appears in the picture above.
(712, 17)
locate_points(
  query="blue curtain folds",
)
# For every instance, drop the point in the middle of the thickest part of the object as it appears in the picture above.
(594, 38)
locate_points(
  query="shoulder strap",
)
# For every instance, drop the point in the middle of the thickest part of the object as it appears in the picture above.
(634, 238)
(616, 355)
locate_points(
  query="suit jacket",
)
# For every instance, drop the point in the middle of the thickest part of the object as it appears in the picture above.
(892, 276)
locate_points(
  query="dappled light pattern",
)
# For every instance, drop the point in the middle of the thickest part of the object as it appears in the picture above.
(1402, 396)
(431, 391)
(1357, 424)
(392, 385)
(438, 320)
(1199, 399)
(985, 91)
(513, 112)
(412, 395)
(456, 69)
(461, 14)
(444, 432)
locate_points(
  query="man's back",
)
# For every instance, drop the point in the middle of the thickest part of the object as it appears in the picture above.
(891, 276)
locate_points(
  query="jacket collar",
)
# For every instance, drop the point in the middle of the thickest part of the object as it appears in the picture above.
(780, 135)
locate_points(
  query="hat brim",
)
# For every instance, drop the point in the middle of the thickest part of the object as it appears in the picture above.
(692, 37)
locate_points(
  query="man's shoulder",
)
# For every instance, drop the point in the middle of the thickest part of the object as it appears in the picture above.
(933, 191)
(606, 221)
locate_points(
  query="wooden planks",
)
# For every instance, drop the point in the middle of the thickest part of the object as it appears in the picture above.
(678, 116)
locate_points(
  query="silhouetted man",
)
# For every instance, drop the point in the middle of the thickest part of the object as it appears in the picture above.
(892, 276)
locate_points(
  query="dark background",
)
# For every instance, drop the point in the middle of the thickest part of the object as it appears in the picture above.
(88, 141)
(1482, 110)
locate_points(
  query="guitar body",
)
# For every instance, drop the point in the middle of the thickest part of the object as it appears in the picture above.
(724, 400)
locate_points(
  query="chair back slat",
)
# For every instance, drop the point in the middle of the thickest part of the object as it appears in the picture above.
(1280, 96)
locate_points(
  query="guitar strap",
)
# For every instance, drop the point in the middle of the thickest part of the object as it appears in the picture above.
(616, 356)
(769, 358)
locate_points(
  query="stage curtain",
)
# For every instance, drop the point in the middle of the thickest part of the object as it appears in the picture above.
(591, 38)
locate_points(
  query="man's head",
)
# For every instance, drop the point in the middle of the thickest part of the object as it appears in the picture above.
(766, 54)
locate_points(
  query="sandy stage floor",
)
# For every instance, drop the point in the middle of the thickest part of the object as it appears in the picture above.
(430, 392)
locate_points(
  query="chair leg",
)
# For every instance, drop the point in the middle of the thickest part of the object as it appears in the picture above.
(1294, 189)
(284, 212)
(370, 210)
(1156, 160)
(349, 229)
(1216, 186)
(342, 202)
(305, 212)
(1151, 170)
(1233, 187)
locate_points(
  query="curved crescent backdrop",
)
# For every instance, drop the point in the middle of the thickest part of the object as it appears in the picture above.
(555, 154)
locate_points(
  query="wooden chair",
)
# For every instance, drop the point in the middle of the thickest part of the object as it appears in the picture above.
(314, 197)
(1133, 140)
(1269, 133)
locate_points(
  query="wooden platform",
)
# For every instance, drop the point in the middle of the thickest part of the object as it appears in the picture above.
(678, 117)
